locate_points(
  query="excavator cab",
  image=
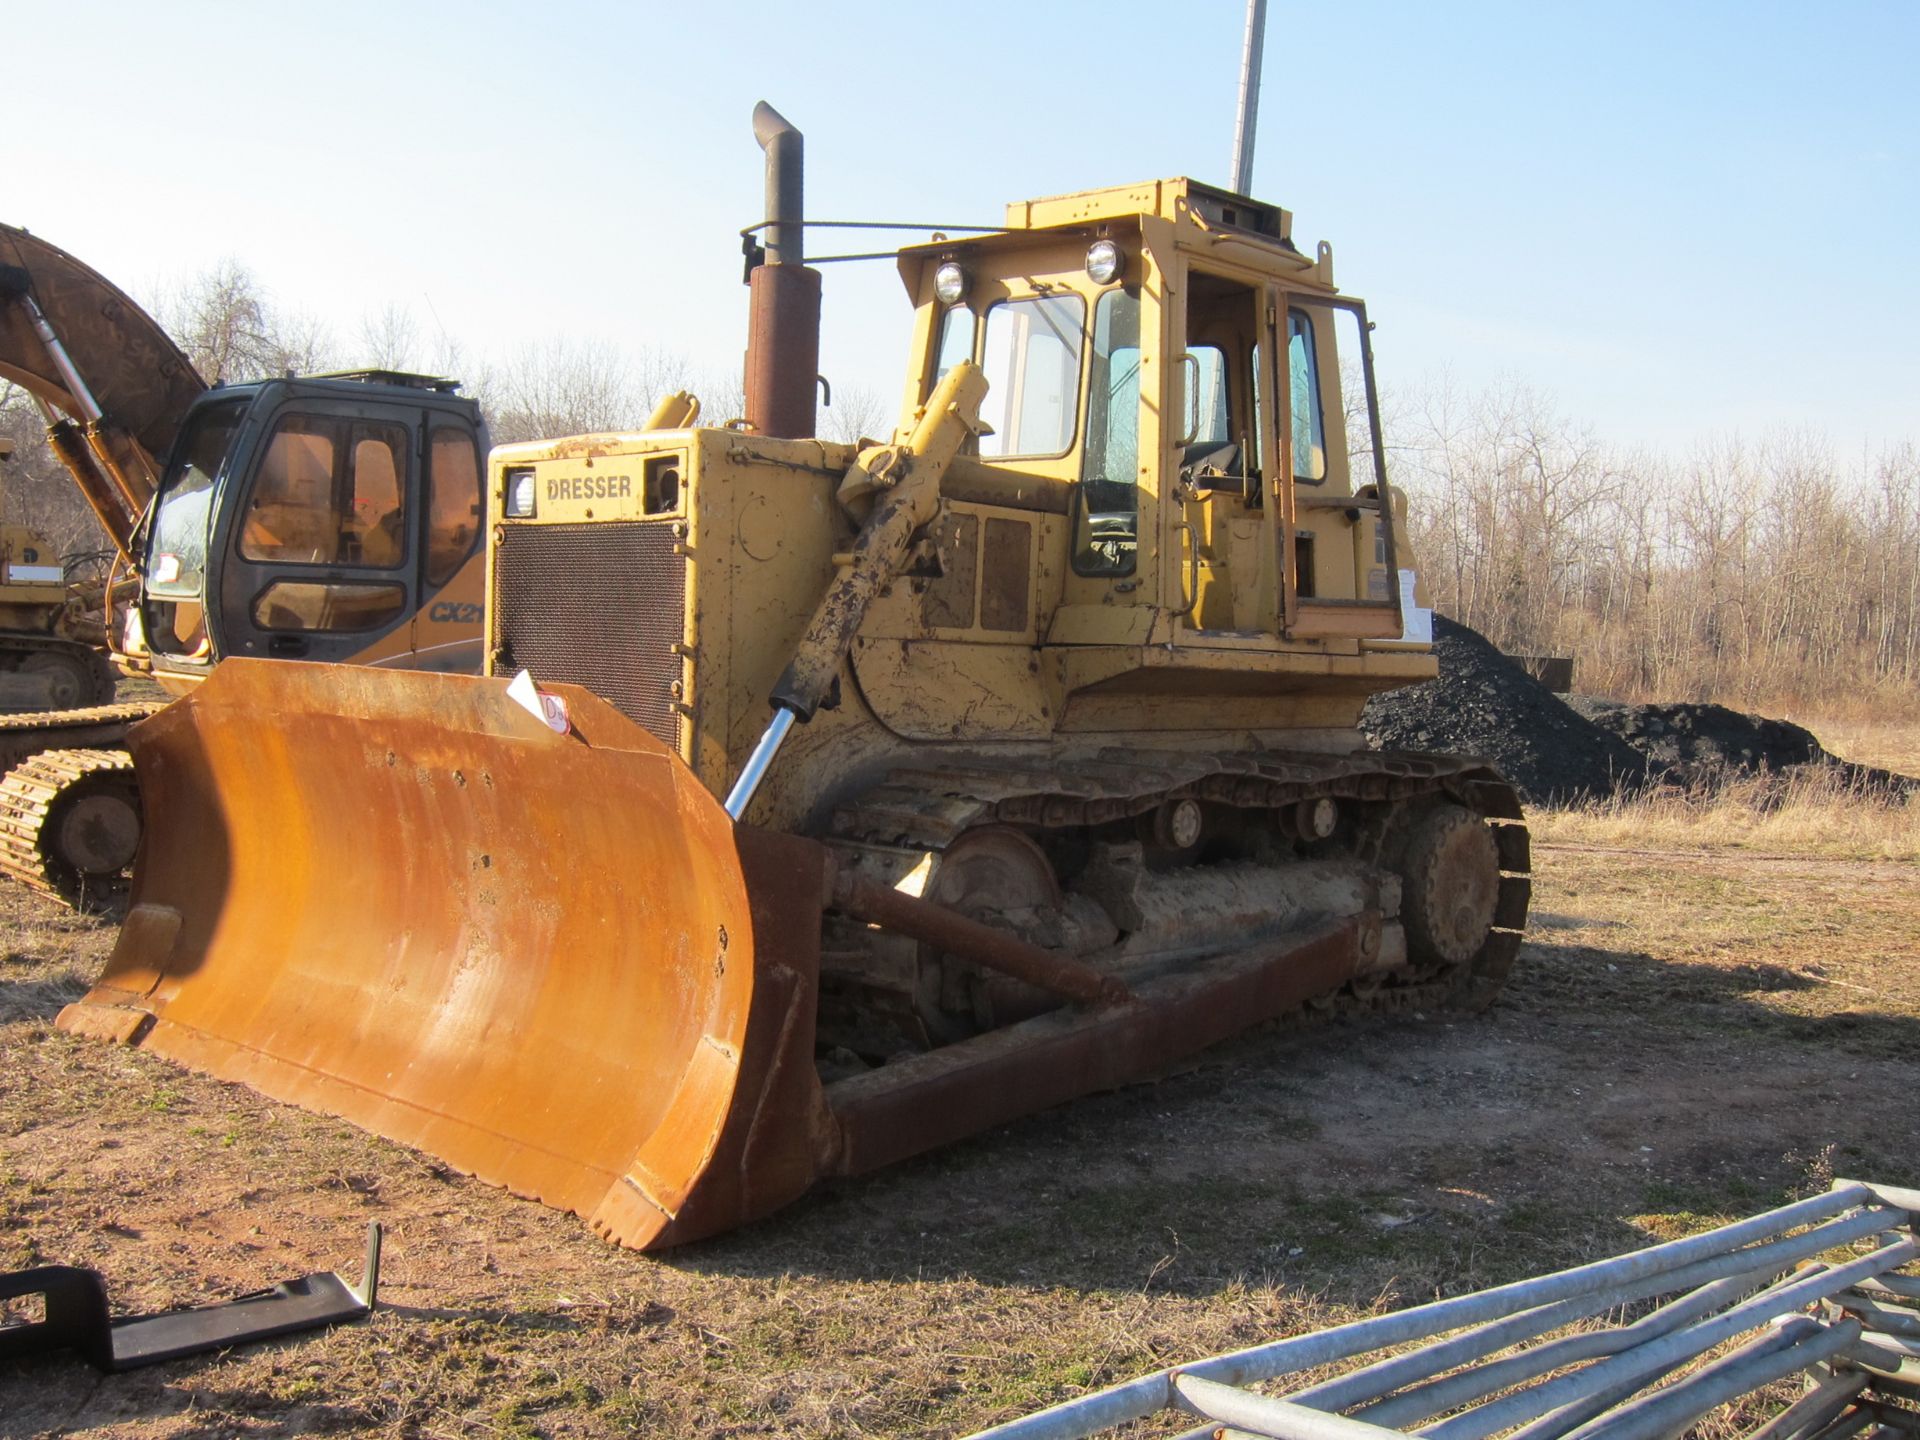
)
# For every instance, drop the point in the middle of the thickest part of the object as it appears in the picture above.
(327, 518)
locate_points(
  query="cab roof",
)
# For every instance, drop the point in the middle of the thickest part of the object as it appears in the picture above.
(1202, 210)
(1175, 199)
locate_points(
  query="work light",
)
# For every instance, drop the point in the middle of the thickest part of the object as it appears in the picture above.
(1103, 262)
(521, 495)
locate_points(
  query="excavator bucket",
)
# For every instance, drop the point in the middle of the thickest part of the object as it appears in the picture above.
(405, 900)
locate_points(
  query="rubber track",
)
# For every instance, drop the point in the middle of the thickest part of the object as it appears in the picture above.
(929, 807)
(28, 795)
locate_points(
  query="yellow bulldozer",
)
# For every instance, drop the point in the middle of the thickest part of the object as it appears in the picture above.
(848, 799)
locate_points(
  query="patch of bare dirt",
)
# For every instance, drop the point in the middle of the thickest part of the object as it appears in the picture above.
(1685, 1038)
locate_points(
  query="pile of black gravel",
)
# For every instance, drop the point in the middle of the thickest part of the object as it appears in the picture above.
(1692, 739)
(1484, 704)
(1692, 743)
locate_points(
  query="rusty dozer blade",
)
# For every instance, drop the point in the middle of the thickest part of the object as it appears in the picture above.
(551, 959)
(404, 900)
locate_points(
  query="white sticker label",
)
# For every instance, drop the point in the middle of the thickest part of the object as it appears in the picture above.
(1416, 619)
(549, 709)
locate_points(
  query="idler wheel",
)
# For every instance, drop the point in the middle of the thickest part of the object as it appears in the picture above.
(985, 875)
(1451, 886)
(69, 678)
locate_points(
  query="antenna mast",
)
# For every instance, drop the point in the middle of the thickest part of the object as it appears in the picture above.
(1249, 97)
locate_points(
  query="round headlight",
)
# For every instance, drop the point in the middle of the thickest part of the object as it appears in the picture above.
(1103, 262)
(950, 283)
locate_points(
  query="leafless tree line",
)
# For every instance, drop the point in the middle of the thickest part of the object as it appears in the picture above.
(1770, 574)
(563, 386)
(231, 329)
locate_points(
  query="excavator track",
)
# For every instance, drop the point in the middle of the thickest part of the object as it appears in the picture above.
(92, 727)
(69, 825)
(38, 750)
(929, 808)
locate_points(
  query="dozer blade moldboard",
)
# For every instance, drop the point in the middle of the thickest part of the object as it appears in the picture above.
(554, 962)
(404, 900)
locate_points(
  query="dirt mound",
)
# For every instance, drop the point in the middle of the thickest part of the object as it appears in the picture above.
(1484, 704)
(1694, 743)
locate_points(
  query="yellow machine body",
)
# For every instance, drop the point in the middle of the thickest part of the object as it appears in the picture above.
(992, 638)
(1068, 670)
(32, 589)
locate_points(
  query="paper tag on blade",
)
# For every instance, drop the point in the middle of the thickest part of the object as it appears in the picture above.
(550, 710)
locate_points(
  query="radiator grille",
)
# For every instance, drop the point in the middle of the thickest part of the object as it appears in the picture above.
(600, 606)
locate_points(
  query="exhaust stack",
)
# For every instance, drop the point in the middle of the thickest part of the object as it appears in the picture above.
(783, 307)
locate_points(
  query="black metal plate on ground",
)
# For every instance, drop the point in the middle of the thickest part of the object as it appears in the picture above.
(76, 1316)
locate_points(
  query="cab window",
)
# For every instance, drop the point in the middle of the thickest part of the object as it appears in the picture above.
(1032, 363)
(336, 605)
(178, 564)
(1208, 415)
(330, 491)
(1106, 535)
(1303, 385)
(453, 501)
(956, 341)
(1220, 419)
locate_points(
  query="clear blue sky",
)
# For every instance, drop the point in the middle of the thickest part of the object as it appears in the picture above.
(1681, 220)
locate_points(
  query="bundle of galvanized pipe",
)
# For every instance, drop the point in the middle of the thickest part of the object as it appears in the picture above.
(1813, 1288)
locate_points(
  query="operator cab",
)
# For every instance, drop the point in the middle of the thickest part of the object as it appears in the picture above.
(334, 517)
(1165, 356)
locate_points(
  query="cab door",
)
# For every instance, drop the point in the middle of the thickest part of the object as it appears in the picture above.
(447, 626)
(1222, 582)
(319, 561)
(1337, 548)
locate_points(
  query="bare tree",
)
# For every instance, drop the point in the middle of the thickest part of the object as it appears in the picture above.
(723, 396)
(856, 413)
(389, 339)
(224, 322)
(563, 387)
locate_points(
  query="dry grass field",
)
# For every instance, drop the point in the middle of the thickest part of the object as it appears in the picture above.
(1719, 1006)
(1811, 813)
(1892, 745)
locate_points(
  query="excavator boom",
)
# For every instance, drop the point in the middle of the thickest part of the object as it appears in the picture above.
(131, 365)
(85, 351)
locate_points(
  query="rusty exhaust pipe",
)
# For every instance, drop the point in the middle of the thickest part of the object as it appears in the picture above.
(783, 308)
